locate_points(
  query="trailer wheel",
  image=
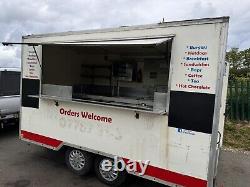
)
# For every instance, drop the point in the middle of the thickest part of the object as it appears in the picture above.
(78, 161)
(111, 177)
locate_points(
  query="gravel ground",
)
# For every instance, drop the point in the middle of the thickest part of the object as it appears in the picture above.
(234, 168)
(23, 165)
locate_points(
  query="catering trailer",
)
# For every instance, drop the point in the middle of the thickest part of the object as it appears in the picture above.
(149, 96)
(9, 96)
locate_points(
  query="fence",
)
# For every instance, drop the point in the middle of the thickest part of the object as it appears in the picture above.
(238, 100)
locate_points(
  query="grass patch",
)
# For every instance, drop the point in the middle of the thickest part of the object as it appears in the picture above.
(237, 135)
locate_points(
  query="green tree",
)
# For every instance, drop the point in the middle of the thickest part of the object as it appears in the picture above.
(246, 58)
(239, 62)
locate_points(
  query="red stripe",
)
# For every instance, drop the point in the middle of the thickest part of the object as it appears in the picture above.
(172, 177)
(41, 139)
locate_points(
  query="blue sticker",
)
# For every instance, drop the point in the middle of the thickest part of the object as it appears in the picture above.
(184, 131)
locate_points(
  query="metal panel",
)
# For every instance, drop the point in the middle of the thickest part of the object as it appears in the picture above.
(122, 42)
(221, 65)
(156, 40)
(57, 90)
(138, 27)
(160, 101)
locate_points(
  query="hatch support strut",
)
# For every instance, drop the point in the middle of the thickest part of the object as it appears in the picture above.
(29, 44)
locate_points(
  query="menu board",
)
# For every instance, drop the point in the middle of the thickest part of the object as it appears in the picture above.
(195, 70)
(31, 62)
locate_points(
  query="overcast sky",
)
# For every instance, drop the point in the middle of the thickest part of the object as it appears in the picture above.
(22, 17)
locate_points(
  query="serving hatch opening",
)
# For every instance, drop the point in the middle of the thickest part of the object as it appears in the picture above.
(131, 73)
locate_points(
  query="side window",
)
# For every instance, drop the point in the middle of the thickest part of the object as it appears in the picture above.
(9, 83)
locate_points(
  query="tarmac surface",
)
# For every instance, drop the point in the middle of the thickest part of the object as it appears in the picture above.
(24, 165)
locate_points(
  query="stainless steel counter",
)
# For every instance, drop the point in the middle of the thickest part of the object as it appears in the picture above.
(113, 102)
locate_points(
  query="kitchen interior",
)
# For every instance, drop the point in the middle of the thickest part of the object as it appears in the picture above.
(131, 76)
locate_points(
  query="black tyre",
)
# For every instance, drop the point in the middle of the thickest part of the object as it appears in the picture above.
(78, 161)
(112, 177)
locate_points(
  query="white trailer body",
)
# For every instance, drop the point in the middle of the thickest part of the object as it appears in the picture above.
(151, 92)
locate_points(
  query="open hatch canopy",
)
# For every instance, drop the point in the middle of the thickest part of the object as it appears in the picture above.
(107, 42)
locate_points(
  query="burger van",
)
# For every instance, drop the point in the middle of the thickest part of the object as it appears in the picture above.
(147, 100)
